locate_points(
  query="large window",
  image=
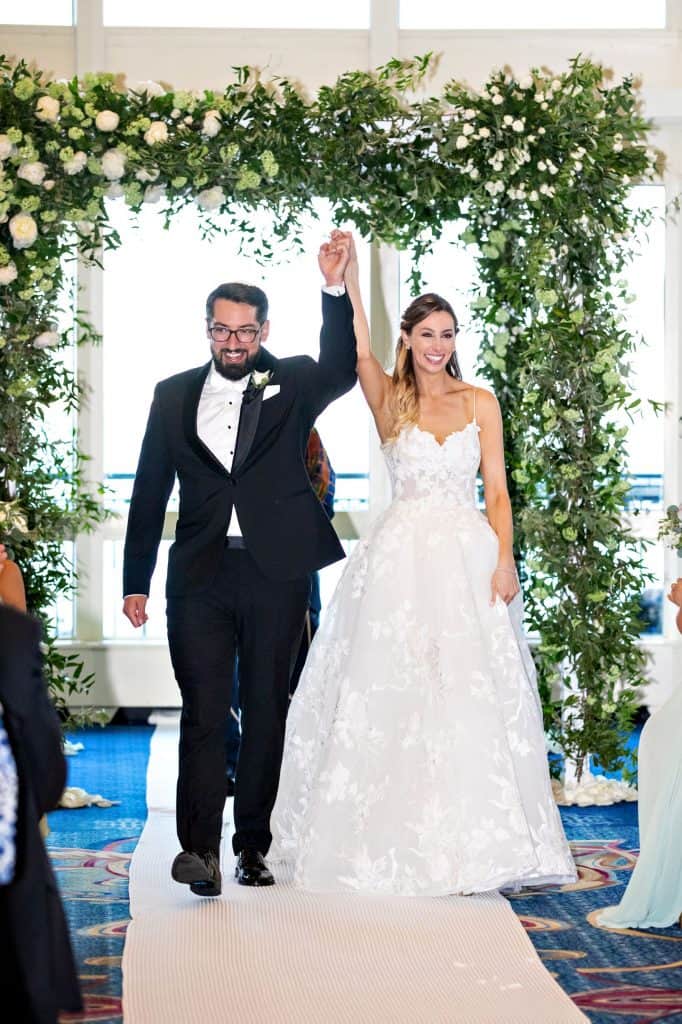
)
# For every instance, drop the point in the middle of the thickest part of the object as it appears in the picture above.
(532, 14)
(219, 14)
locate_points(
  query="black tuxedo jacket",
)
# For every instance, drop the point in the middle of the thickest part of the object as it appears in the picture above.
(37, 964)
(284, 525)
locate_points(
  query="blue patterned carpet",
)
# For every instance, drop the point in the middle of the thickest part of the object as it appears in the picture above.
(615, 979)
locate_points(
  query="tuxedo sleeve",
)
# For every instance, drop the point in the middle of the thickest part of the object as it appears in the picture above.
(335, 372)
(153, 484)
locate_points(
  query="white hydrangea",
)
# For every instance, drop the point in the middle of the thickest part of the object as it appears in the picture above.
(153, 193)
(34, 172)
(211, 198)
(156, 133)
(77, 162)
(23, 230)
(107, 121)
(151, 88)
(211, 124)
(8, 273)
(48, 339)
(47, 109)
(113, 164)
(145, 174)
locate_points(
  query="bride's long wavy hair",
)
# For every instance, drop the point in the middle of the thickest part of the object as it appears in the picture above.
(404, 394)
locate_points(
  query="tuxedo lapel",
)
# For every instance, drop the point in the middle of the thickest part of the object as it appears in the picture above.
(252, 404)
(189, 420)
(248, 424)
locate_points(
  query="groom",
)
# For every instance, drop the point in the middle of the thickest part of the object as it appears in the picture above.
(250, 531)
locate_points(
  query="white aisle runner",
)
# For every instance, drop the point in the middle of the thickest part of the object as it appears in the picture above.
(279, 956)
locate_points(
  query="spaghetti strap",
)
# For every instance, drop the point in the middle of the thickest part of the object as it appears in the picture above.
(474, 419)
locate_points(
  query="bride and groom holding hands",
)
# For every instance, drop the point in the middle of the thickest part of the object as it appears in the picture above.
(412, 758)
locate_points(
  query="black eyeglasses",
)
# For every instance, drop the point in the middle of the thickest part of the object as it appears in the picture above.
(219, 332)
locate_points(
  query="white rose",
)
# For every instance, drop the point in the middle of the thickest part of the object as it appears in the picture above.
(468, 129)
(473, 173)
(23, 230)
(48, 339)
(526, 82)
(8, 274)
(6, 147)
(48, 184)
(556, 85)
(114, 191)
(211, 198)
(144, 175)
(533, 196)
(34, 172)
(469, 114)
(107, 121)
(113, 164)
(518, 125)
(153, 193)
(484, 133)
(497, 99)
(77, 162)
(462, 142)
(157, 132)
(47, 109)
(541, 130)
(151, 88)
(211, 125)
(507, 119)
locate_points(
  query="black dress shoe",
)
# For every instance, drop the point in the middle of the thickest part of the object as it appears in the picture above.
(200, 871)
(251, 868)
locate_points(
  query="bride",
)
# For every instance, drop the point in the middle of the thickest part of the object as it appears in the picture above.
(414, 759)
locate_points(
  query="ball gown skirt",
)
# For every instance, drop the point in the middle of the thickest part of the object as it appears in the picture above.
(415, 759)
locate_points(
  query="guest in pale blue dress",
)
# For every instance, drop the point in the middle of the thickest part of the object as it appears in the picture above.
(653, 898)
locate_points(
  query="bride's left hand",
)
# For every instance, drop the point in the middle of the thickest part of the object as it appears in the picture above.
(504, 584)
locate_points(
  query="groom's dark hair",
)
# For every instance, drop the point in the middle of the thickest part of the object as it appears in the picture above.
(235, 291)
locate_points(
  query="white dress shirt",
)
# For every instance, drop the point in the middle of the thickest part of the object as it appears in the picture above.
(218, 421)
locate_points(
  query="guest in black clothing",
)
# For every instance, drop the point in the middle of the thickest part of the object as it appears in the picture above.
(37, 970)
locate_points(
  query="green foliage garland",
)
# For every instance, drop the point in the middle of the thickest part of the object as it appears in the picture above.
(540, 168)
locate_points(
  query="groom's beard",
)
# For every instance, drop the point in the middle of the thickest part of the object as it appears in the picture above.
(234, 371)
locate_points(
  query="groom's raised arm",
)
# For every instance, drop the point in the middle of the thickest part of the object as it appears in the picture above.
(154, 479)
(335, 371)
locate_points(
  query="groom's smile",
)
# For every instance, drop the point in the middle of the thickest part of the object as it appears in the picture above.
(235, 336)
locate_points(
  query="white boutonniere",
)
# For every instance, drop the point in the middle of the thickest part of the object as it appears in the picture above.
(259, 379)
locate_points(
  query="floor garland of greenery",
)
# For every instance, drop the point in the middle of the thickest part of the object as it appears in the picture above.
(538, 167)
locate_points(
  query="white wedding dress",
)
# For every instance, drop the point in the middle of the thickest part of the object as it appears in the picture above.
(415, 759)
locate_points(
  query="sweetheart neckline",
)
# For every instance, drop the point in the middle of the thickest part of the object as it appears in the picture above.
(453, 433)
(429, 433)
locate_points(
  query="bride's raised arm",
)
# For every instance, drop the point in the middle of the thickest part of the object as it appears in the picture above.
(376, 384)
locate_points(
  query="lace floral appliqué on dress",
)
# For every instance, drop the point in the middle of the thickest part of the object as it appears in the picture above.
(415, 758)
